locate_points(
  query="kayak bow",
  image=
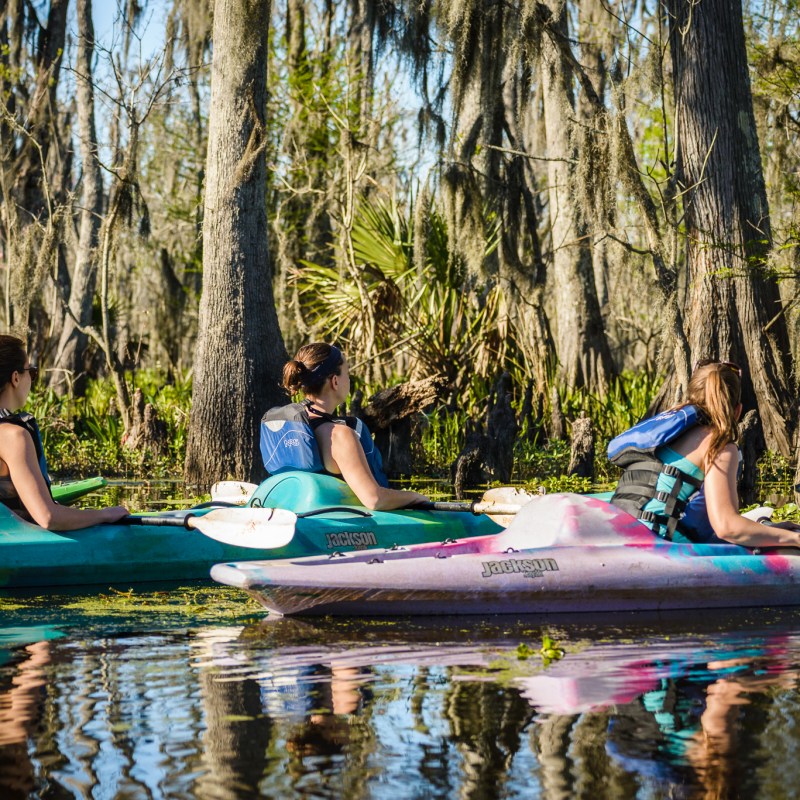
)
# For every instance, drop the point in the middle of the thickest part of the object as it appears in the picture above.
(562, 553)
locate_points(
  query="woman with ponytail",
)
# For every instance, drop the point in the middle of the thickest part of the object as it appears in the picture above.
(344, 447)
(24, 482)
(681, 467)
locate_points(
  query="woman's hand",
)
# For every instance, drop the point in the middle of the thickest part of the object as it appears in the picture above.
(114, 513)
(416, 499)
(785, 525)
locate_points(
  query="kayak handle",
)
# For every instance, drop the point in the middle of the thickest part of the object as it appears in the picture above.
(330, 510)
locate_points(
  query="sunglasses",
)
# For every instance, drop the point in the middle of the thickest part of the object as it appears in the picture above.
(34, 372)
(705, 362)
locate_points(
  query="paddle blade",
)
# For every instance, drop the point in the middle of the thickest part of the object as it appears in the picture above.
(257, 528)
(759, 514)
(238, 492)
(508, 496)
(503, 502)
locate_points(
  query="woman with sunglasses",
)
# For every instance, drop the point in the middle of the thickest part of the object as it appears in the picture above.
(681, 467)
(24, 482)
(342, 445)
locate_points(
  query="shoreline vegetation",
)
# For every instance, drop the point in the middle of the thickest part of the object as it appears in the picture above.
(547, 190)
(84, 436)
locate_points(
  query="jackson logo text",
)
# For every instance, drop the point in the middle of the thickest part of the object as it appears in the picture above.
(351, 539)
(531, 567)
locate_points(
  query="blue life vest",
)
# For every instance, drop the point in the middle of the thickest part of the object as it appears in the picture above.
(28, 422)
(635, 451)
(287, 441)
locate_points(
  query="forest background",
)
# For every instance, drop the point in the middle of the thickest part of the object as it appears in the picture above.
(584, 196)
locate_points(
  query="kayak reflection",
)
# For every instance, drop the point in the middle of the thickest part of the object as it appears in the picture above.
(648, 706)
(665, 711)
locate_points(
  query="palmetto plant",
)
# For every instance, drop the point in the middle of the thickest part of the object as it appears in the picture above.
(430, 317)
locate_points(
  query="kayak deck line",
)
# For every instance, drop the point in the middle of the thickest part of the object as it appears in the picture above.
(155, 548)
(562, 554)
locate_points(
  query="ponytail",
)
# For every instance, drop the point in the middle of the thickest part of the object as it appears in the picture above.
(716, 389)
(311, 367)
(293, 375)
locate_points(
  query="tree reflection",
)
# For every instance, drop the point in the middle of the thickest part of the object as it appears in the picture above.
(486, 723)
(237, 737)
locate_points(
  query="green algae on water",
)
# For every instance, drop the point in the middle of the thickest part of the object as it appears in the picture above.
(181, 605)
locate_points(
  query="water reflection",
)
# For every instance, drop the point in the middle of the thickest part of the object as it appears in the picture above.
(18, 714)
(658, 707)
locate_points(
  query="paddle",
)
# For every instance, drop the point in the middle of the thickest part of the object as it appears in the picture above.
(236, 492)
(500, 501)
(258, 528)
(473, 507)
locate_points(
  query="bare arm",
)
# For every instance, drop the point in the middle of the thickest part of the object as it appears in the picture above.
(17, 450)
(348, 457)
(723, 513)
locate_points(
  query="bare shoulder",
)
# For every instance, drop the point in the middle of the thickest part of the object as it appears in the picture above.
(14, 436)
(342, 434)
(731, 450)
(727, 459)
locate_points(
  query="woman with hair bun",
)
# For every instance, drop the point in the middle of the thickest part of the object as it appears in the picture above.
(681, 467)
(24, 482)
(340, 446)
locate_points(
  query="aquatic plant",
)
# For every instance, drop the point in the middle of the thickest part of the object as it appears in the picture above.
(83, 435)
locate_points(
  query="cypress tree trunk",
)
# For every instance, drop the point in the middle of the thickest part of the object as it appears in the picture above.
(42, 121)
(360, 30)
(734, 309)
(68, 361)
(582, 345)
(239, 351)
(522, 268)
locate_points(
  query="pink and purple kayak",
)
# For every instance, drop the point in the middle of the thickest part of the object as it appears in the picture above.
(562, 553)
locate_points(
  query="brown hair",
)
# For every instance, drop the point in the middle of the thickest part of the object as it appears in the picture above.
(311, 367)
(716, 389)
(12, 357)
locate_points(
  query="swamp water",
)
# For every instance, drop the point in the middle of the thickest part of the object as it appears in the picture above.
(189, 692)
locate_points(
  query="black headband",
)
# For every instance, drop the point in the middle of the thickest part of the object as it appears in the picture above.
(332, 362)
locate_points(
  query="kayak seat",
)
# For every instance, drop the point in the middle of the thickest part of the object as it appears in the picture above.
(303, 491)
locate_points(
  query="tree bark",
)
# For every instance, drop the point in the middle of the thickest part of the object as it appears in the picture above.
(581, 460)
(360, 34)
(734, 308)
(489, 456)
(240, 351)
(581, 342)
(522, 269)
(68, 363)
(394, 418)
(594, 22)
(41, 114)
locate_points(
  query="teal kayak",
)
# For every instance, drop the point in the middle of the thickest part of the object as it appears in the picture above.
(68, 493)
(334, 523)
